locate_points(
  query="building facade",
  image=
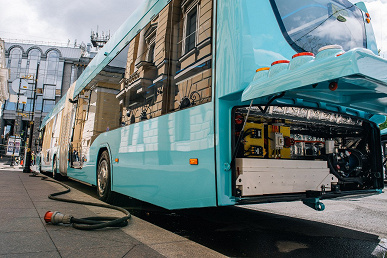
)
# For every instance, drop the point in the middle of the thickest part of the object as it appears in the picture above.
(39, 76)
(4, 75)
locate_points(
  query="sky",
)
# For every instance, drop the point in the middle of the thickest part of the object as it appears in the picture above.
(378, 11)
(71, 21)
(60, 21)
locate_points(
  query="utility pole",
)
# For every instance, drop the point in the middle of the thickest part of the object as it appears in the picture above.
(16, 124)
(27, 165)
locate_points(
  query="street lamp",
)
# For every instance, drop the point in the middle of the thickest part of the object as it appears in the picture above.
(27, 165)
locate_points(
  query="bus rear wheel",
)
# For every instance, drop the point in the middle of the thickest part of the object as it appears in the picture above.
(104, 178)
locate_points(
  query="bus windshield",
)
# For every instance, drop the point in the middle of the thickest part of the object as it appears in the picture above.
(310, 25)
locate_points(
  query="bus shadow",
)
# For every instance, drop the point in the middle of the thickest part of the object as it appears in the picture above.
(240, 232)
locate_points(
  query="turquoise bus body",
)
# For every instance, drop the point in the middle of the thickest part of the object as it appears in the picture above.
(150, 159)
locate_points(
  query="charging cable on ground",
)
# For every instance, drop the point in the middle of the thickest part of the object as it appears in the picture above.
(89, 223)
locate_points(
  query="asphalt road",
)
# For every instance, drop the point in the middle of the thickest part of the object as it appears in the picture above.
(349, 227)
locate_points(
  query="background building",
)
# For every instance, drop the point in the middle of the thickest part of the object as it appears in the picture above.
(55, 68)
(4, 75)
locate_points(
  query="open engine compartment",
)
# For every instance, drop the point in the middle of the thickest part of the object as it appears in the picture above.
(288, 150)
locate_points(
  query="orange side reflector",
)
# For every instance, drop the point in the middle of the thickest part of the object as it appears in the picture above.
(116, 160)
(262, 69)
(193, 161)
(368, 20)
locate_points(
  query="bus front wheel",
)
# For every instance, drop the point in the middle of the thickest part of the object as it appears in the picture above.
(103, 178)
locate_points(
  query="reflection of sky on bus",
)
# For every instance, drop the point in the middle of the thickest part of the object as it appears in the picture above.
(312, 26)
(349, 34)
(59, 21)
(356, 36)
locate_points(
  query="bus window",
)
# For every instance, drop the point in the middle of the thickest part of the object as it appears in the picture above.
(97, 109)
(307, 25)
(169, 63)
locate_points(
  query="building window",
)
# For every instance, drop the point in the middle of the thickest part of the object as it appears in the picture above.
(52, 67)
(49, 92)
(10, 105)
(30, 91)
(38, 103)
(20, 107)
(190, 30)
(48, 105)
(14, 63)
(33, 60)
(151, 53)
(28, 106)
(150, 39)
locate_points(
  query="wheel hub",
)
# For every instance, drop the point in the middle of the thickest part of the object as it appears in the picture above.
(102, 177)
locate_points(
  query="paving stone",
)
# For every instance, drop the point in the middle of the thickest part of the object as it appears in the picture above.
(24, 233)
(100, 252)
(53, 254)
(12, 224)
(25, 241)
(142, 251)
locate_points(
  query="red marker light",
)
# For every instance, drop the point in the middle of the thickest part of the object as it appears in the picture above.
(303, 54)
(280, 62)
(333, 86)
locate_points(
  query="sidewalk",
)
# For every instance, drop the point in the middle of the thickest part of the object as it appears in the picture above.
(23, 232)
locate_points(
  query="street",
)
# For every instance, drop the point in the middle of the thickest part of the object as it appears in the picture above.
(349, 227)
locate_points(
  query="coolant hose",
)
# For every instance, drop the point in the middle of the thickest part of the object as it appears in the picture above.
(89, 223)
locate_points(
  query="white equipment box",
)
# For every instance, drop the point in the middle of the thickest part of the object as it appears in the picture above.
(276, 176)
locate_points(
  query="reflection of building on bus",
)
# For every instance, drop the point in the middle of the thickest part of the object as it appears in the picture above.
(187, 107)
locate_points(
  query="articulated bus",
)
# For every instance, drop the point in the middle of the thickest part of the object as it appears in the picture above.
(204, 103)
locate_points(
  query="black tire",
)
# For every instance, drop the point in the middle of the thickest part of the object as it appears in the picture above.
(104, 178)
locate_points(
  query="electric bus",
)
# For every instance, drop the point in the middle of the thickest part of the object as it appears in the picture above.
(204, 103)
